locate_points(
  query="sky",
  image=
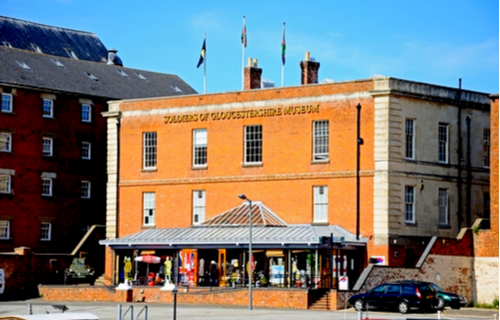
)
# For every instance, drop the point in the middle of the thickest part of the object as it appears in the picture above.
(436, 42)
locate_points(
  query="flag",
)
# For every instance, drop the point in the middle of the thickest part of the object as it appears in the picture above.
(244, 33)
(202, 54)
(283, 46)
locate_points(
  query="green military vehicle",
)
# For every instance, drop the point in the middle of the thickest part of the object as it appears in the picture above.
(79, 272)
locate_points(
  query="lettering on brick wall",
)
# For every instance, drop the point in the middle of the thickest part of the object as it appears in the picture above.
(242, 114)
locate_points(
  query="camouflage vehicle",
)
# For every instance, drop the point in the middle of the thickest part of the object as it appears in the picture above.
(79, 272)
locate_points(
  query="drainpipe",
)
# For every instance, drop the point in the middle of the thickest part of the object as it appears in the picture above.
(460, 155)
(359, 142)
(469, 176)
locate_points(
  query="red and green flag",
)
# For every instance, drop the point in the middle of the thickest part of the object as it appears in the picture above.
(283, 46)
(244, 33)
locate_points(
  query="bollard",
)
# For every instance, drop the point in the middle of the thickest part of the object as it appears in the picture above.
(360, 315)
(119, 312)
(439, 314)
(30, 310)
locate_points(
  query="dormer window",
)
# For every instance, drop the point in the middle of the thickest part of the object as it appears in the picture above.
(71, 53)
(140, 76)
(23, 65)
(176, 88)
(36, 48)
(57, 63)
(91, 76)
(122, 73)
(7, 44)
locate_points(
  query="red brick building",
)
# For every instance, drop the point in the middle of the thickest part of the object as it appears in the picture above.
(183, 161)
(53, 138)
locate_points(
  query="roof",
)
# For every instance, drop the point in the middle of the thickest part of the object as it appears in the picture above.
(51, 73)
(231, 229)
(51, 40)
(238, 216)
(293, 236)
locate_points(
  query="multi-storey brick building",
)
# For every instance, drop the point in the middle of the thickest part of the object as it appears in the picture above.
(390, 163)
(54, 84)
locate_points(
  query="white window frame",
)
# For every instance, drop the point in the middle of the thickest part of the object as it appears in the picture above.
(200, 147)
(5, 183)
(410, 139)
(6, 105)
(47, 147)
(443, 207)
(45, 231)
(410, 204)
(86, 150)
(47, 108)
(86, 112)
(253, 144)
(320, 199)
(149, 208)
(47, 187)
(85, 189)
(199, 206)
(486, 147)
(5, 142)
(149, 150)
(321, 140)
(443, 142)
(4, 229)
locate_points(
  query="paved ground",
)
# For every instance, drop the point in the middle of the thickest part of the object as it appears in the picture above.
(108, 311)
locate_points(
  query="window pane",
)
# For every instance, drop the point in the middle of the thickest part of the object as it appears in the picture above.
(200, 147)
(4, 229)
(486, 147)
(409, 131)
(149, 150)
(5, 184)
(443, 207)
(86, 113)
(443, 142)
(86, 150)
(5, 142)
(409, 204)
(198, 206)
(149, 204)
(47, 146)
(6, 102)
(47, 108)
(45, 231)
(46, 187)
(320, 204)
(85, 189)
(253, 144)
(321, 140)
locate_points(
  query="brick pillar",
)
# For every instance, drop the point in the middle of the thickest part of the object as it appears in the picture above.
(309, 70)
(252, 75)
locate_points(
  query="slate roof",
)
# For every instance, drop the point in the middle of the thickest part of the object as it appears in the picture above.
(238, 216)
(51, 40)
(53, 73)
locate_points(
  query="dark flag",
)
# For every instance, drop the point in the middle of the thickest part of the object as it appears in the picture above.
(202, 54)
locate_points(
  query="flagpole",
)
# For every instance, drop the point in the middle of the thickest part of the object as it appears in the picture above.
(205, 67)
(283, 48)
(243, 45)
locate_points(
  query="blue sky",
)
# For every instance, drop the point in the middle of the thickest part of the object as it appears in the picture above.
(428, 41)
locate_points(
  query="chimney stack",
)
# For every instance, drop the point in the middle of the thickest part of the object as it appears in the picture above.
(309, 70)
(112, 56)
(252, 75)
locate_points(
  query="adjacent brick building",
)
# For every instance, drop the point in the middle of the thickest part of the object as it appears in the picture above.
(54, 85)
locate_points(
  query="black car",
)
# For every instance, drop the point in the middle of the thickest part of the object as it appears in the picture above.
(398, 296)
(447, 299)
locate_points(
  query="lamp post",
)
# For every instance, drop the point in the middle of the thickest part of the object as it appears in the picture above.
(250, 271)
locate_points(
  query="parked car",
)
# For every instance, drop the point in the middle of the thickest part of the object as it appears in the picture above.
(397, 296)
(447, 299)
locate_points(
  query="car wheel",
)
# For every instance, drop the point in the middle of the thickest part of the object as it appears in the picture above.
(440, 305)
(403, 307)
(359, 305)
